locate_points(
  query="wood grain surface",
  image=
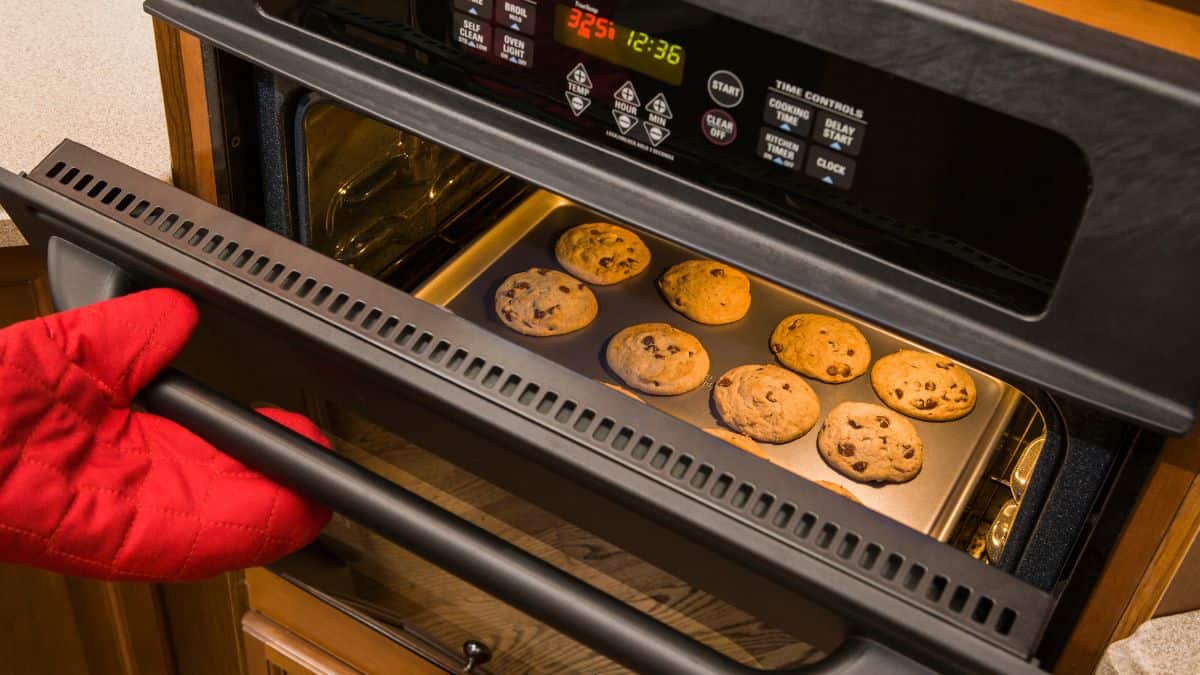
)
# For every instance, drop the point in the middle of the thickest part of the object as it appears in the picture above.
(451, 611)
(1153, 23)
(181, 70)
(1148, 551)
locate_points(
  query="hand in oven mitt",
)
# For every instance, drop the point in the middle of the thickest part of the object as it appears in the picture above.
(89, 487)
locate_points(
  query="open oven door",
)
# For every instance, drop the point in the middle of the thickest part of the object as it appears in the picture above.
(107, 229)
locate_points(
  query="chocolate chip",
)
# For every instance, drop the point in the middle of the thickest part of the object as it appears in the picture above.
(630, 249)
(883, 439)
(908, 454)
(648, 340)
(849, 352)
(537, 314)
(580, 286)
(899, 393)
(673, 349)
(620, 240)
(859, 466)
(594, 232)
(832, 370)
(925, 404)
(552, 309)
(771, 397)
(845, 370)
(854, 424)
(883, 421)
(824, 332)
(510, 293)
(660, 356)
(564, 289)
(521, 285)
(508, 314)
(718, 272)
(655, 383)
(725, 382)
(954, 386)
(845, 449)
(944, 365)
(606, 262)
(787, 387)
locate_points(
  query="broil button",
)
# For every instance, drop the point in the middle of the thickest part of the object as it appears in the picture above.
(516, 15)
(718, 127)
(830, 168)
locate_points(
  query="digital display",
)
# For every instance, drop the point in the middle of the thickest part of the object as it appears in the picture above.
(620, 45)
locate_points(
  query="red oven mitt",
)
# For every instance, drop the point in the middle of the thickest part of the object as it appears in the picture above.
(89, 487)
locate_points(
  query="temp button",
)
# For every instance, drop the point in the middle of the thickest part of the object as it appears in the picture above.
(830, 168)
(718, 127)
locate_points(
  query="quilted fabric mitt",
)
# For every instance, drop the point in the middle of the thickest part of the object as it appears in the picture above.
(89, 487)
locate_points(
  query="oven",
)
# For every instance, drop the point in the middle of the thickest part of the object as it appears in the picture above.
(942, 183)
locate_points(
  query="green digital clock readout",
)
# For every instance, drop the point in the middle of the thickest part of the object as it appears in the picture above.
(620, 45)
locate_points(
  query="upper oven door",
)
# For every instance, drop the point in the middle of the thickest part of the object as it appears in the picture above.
(1025, 208)
(447, 383)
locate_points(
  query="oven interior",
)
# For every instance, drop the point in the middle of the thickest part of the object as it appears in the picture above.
(441, 226)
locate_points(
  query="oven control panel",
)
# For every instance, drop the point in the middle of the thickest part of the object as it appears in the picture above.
(967, 195)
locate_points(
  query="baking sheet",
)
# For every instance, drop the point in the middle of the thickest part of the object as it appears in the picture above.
(956, 453)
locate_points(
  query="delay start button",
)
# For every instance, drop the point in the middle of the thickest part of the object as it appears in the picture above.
(718, 127)
(725, 89)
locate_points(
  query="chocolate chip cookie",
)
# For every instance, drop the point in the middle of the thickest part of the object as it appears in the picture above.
(766, 403)
(737, 440)
(870, 444)
(657, 358)
(623, 390)
(922, 385)
(545, 302)
(601, 253)
(834, 487)
(706, 291)
(821, 347)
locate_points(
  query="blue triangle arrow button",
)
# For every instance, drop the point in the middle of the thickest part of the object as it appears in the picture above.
(827, 179)
(472, 11)
(835, 145)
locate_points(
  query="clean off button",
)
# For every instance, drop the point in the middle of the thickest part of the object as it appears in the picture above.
(725, 89)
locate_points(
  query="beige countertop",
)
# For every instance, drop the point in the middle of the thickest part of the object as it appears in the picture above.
(80, 70)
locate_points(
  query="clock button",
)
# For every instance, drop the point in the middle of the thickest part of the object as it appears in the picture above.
(725, 89)
(830, 168)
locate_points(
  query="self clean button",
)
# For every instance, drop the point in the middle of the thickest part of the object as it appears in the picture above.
(725, 89)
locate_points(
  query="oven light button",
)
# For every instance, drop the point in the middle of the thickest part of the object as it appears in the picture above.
(830, 168)
(718, 127)
(514, 48)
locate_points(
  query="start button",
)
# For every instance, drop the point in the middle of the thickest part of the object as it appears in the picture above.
(725, 89)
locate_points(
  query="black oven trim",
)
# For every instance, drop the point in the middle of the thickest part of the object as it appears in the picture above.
(1083, 346)
(804, 550)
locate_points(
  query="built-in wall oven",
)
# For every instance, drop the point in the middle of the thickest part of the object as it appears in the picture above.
(938, 180)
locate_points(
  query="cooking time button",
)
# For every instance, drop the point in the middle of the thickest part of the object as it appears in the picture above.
(788, 114)
(840, 133)
(718, 127)
(830, 167)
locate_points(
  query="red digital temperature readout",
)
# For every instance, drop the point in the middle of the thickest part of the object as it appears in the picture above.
(604, 38)
(589, 26)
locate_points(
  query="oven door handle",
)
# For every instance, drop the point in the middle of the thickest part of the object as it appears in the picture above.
(603, 623)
